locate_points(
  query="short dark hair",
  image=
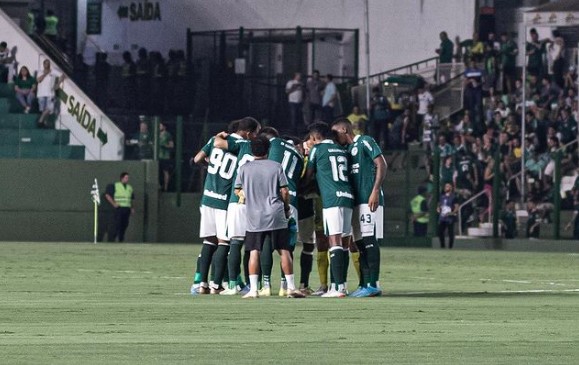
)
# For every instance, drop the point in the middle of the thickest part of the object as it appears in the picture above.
(123, 174)
(269, 132)
(330, 77)
(233, 126)
(248, 124)
(260, 146)
(316, 72)
(3, 44)
(344, 122)
(321, 128)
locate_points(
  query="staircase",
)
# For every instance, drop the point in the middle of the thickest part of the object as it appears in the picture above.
(21, 138)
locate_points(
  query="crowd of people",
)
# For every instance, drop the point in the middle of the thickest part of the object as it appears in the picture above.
(324, 191)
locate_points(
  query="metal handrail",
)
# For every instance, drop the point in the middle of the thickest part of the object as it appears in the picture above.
(464, 204)
(400, 68)
(562, 148)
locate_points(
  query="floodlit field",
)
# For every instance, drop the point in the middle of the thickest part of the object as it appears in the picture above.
(117, 304)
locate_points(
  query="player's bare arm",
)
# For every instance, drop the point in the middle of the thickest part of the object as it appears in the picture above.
(374, 199)
(200, 158)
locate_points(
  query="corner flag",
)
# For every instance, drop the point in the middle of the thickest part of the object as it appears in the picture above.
(96, 199)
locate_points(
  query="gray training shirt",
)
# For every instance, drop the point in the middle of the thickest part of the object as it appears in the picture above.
(261, 181)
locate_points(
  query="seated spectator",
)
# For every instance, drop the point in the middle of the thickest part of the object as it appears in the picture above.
(25, 86)
(550, 92)
(509, 219)
(358, 120)
(567, 127)
(533, 222)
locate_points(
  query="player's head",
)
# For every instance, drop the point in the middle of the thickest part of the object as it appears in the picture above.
(124, 177)
(344, 132)
(269, 132)
(233, 126)
(448, 188)
(260, 146)
(248, 128)
(320, 131)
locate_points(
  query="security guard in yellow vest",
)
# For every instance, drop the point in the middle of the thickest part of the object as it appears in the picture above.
(120, 195)
(419, 209)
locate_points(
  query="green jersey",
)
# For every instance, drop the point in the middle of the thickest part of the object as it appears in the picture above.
(464, 174)
(363, 170)
(330, 164)
(292, 163)
(242, 148)
(165, 140)
(219, 179)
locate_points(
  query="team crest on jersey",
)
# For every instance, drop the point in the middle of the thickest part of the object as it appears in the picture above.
(354, 151)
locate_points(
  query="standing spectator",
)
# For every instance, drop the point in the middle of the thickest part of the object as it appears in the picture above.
(329, 99)
(358, 121)
(294, 90)
(51, 29)
(314, 88)
(144, 142)
(448, 209)
(535, 51)
(425, 99)
(5, 62)
(48, 82)
(419, 210)
(380, 112)
(102, 70)
(128, 75)
(473, 95)
(143, 69)
(508, 53)
(445, 56)
(24, 86)
(473, 49)
(490, 69)
(120, 195)
(166, 146)
(556, 58)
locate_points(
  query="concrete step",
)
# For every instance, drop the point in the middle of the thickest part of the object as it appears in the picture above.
(42, 152)
(18, 121)
(34, 136)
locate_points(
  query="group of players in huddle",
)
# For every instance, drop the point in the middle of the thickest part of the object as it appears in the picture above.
(331, 170)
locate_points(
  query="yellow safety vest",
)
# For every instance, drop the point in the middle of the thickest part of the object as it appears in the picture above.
(123, 195)
(415, 206)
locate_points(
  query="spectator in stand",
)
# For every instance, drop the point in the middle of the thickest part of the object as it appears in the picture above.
(314, 88)
(166, 147)
(380, 113)
(397, 138)
(509, 219)
(556, 58)
(425, 99)
(533, 221)
(429, 133)
(144, 142)
(358, 121)
(295, 94)
(48, 81)
(575, 220)
(329, 99)
(25, 86)
(158, 82)
(447, 170)
(128, 75)
(6, 61)
(473, 95)
(143, 73)
(445, 56)
(447, 210)
(535, 51)
(445, 148)
(567, 127)
(473, 49)
(102, 71)
(51, 29)
(550, 92)
(508, 54)
(490, 69)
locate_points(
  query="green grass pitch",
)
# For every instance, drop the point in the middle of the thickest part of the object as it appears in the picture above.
(129, 304)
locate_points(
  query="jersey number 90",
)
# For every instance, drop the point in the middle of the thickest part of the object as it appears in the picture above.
(222, 162)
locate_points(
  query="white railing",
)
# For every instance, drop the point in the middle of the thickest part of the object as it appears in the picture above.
(472, 198)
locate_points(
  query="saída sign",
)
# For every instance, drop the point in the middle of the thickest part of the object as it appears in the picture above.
(140, 11)
(78, 110)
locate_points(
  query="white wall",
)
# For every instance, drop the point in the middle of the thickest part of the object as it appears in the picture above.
(27, 53)
(401, 31)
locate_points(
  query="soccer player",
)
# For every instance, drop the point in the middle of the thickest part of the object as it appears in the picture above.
(216, 193)
(239, 145)
(367, 172)
(262, 184)
(292, 162)
(328, 162)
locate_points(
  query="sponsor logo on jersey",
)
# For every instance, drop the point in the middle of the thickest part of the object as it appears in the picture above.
(344, 194)
(355, 168)
(214, 195)
(354, 151)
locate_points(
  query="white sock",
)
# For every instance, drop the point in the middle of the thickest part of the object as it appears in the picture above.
(341, 287)
(290, 282)
(253, 283)
(203, 284)
(332, 287)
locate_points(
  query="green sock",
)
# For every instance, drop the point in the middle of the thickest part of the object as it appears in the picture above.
(266, 260)
(206, 255)
(337, 264)
(364, 268)
(197, 277)
(373, 258)
(220, 263)
(234, 259)
(346, 257)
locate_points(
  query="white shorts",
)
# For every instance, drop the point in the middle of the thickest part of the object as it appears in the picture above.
(213, 223)
(337, 220)
(307, 230)
(366, 223)
(236, 220)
